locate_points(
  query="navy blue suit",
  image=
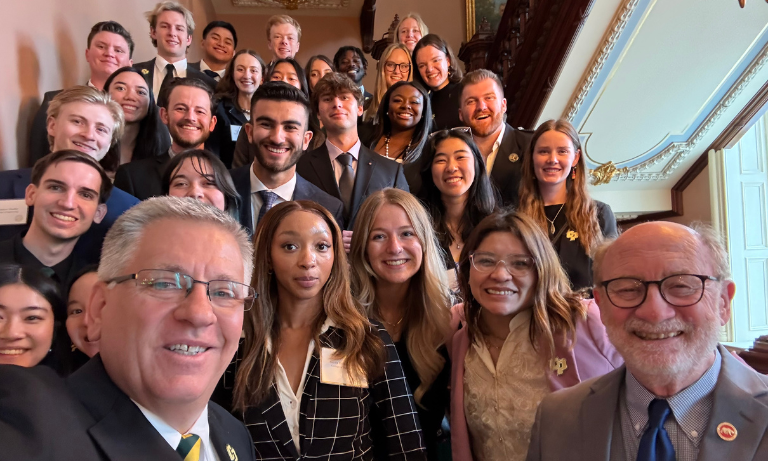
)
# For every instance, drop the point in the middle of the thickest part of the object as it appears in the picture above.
(13, 184)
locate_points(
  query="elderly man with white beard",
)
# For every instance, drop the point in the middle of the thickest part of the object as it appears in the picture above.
(664, 292)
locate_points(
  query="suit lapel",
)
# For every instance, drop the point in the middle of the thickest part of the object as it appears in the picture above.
(308, 412)
(324, 171)
(20, 186)
(219, 437)
(277, 425)
(735, 403)
(365, 168)
(242, 179)
(597, 416)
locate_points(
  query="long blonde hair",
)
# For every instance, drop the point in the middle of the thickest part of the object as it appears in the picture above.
(555, 307)
(427, 316)
(381, 81)
(362, 349)
(580, 210)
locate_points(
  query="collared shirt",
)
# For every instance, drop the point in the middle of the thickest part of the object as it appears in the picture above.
(90, 83)
(204, 66)
(173, 437)
(691, 410)
(284, 193)
(61, 271)
(496, 144)
(159, 75)
(291, 402)
(334, 152)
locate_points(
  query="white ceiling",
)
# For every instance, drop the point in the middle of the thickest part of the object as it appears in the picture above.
(343, 8)
(649, 84)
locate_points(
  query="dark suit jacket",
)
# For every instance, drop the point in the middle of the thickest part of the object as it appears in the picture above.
(38, 135)
(508, 167)
(143, 178)
(149, 66)
(342, 422)
(87, 417)
(374, 172)
(13, 184)
(227, 116)
(305, 190)
(194, 65)
(577, 424)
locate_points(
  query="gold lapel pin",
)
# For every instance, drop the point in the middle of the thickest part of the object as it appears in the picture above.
(727, 432)
(572, 235)
(145, 71)
(231, 453)
(513, 158)
(558, 365)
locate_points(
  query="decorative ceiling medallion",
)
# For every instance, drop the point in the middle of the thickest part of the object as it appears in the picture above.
(294, 4)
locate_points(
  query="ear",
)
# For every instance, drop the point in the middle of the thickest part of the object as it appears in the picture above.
(51, 127)
(726, 296)
(152, 33)
(307, 138)
(249, 132)
(297, 48)
(130, 62)
(212, 125)
(576, 157)
(95, 310)
(361, 109)
(504, 105)
(461, 116)
(29, 195)
(101, 211)
(189, 40)
(164, 115)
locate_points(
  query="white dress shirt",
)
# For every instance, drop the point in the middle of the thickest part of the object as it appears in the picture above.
(173, 437)
(204, 66)
(334, 152)
(492, 156)
(284, 194)
(159, 75)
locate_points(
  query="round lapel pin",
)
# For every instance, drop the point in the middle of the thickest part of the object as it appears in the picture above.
(727, 432)
(513, 158)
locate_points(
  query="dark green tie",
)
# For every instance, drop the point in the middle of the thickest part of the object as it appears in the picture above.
(189, 447)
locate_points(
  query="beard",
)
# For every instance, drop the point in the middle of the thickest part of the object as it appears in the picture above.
(483, 130)
(180, 140)
(270, 164)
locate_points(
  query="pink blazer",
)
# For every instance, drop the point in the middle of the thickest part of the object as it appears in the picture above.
(592, 355)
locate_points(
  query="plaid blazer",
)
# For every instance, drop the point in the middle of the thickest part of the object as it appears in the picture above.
(336, 421)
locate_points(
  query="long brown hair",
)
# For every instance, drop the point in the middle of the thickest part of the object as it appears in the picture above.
(226, 87)
(555, 307)
(362, 349)
(427, 315)
(580, 209)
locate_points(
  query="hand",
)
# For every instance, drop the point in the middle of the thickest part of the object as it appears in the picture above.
(346, 237)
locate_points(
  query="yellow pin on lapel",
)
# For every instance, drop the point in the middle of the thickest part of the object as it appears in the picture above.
(145, 71)
(572, 235)
(558, 365)
(513, 158)
(231, 453)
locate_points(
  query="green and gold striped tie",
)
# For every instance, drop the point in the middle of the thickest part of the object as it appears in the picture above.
(189, 447)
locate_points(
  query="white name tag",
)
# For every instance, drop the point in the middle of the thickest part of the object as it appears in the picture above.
(235, 129)
(332, 371)
(13, 212)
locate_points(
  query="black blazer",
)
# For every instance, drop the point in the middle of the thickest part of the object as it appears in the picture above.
(149, 76)
(143, 178)
(341, 422)
(304, 190)
(508, 167)
(87, 417)
(227, 116)
(374, 172)
(194, 65)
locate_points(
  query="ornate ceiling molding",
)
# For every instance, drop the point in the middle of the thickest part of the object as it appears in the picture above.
(294, 4)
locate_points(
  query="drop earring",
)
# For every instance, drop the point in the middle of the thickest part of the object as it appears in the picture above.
(573, 173)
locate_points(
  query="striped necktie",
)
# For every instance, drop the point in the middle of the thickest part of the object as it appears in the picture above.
(189, 447)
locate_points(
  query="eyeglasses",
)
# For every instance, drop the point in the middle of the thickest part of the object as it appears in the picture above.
(463, 129)
(517, 265)
(391, 66)
(173, 286)
(680, 290)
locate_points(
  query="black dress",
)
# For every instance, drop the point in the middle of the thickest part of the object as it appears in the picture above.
(445, 107)
(575, 260)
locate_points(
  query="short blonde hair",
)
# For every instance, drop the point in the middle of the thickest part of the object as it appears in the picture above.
(283, 19)
(415, 16)
(89, 95)
(170, 6)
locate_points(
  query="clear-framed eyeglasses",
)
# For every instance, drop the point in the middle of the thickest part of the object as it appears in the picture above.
(517, 265)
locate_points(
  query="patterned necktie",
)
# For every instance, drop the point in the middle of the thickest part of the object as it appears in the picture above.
(189, 447)
(212, 74)
(347, 180)
(268, 200)
(655, 444)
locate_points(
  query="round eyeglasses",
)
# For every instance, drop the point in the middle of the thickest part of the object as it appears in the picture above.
(679, 290)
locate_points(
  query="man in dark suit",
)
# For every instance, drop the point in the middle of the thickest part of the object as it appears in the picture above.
(277, 135)
(188, 113)
(219, 44)
(343, 167)
(171, 27)
(351, 61)
(86, 120)
(162, 348)
(110, 47)
(664, 292)
(483, 108)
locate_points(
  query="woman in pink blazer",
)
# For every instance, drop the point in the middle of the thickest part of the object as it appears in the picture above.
(525, 334)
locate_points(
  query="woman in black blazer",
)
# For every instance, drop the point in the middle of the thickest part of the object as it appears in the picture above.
(317, 379)
(553, 191)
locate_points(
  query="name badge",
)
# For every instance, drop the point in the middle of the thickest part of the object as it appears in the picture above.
(332, 371)
(235, 129)
(13, 212)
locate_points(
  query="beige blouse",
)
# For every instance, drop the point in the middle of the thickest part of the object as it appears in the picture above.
(500, 401)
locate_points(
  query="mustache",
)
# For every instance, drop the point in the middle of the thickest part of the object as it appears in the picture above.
(674, 324)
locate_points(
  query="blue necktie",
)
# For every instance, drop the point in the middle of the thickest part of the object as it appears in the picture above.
(268, 199)
(655, 444)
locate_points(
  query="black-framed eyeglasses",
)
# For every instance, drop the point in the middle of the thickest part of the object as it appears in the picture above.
(679, 290)
(167, 285)
(517, 265)
(403, 66)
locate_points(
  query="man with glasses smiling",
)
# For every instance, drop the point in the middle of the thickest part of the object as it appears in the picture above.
(664, 293)
(167, 312)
